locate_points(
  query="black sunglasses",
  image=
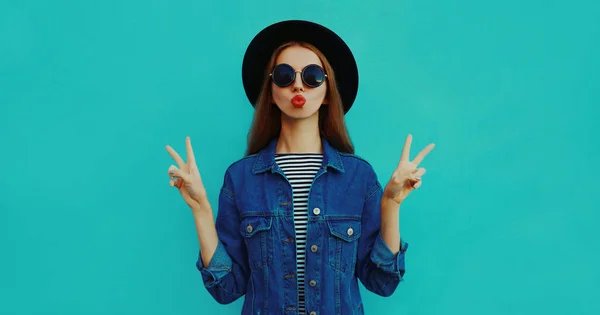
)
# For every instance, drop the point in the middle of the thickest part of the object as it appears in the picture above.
(312, 75)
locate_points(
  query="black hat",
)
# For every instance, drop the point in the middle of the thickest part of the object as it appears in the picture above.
(336, 51)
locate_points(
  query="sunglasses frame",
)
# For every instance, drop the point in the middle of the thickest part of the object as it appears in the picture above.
(301, 75)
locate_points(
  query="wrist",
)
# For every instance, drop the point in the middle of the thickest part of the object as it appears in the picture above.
(390, 196)
(201, 209)
(390, 203)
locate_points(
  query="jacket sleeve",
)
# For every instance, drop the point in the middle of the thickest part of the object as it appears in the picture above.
(227, 274)
(379, 270)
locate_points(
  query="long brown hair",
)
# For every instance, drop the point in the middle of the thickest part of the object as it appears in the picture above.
(266, 123)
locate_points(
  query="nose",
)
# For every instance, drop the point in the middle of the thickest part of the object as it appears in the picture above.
(298, 84)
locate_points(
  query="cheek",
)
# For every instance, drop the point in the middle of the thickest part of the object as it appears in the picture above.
(320, 93)
(277, 93)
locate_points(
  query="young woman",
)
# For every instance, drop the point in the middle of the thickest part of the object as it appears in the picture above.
(301, 218)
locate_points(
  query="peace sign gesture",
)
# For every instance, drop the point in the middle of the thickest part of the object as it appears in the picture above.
(407, 175)
(187, 177)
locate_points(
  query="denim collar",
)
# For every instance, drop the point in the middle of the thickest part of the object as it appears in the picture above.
(265, 159)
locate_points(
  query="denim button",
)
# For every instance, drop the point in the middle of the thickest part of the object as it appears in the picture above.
(350, 231)
(316, 211)
(314, 248)
(249, 228)
(313, 313)
(313, 283)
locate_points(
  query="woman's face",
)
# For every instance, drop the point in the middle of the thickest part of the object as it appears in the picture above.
(298, 57)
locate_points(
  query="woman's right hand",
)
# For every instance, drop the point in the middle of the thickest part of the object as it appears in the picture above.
(187, 178)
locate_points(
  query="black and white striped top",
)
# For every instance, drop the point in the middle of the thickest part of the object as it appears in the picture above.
(300, 170)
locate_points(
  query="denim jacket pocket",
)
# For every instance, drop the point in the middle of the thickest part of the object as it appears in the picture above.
(257, 234)
(343, 243)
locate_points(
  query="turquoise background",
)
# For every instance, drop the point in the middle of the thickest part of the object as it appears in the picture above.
(506, 221)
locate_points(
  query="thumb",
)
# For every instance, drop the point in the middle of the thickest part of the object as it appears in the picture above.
(175, 172)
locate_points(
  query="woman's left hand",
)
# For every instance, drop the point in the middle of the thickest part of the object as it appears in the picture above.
(407, 175)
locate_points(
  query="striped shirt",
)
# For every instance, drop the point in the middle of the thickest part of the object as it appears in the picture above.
(300, 170)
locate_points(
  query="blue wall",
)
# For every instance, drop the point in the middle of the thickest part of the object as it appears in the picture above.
(506, 221)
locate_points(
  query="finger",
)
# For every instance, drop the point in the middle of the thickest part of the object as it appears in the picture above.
(423, 154)
(174, 181)
(178, 183)
(406, 150)
(417, 185)
(174, 172)
(418, 173)
(190, 152)
(175, 156)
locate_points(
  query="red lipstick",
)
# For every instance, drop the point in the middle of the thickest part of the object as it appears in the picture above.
(298, 101)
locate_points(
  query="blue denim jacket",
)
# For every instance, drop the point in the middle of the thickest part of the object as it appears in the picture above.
(256, 253)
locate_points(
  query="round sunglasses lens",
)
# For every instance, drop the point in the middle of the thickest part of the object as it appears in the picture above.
(313, 76)
(283, 75)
